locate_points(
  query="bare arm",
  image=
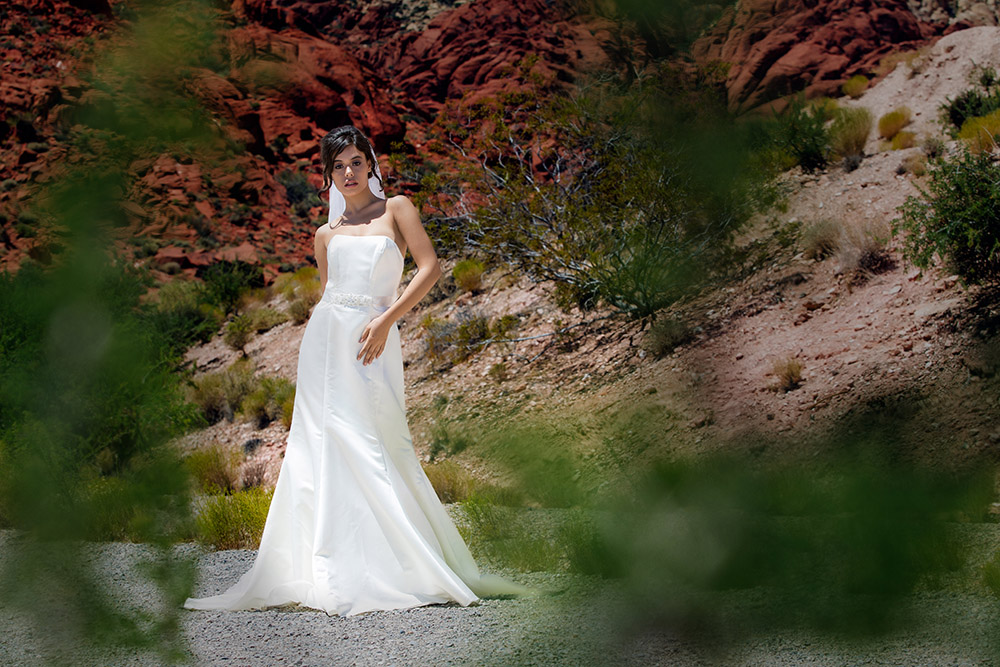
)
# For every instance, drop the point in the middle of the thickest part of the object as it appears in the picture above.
(319, 251)
(407, 219)
(420, 246)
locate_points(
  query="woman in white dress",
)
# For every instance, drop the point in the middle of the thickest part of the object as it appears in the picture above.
(354, 524)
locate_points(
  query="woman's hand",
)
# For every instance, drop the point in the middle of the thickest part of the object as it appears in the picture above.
(373, 339)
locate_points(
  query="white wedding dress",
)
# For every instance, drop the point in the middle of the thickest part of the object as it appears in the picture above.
(354, 524)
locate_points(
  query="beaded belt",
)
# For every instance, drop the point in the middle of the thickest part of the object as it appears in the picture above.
(349, 299)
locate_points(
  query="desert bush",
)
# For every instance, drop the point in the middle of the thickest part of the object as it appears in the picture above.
(584, 212)
(468, 275)
(503, 325)
(219, 395)
(664, 335)
(215, 468)
(183, 316)
(451, 482)
(234, 521)
(849, 131)
(238, 333)
(980, 134)
(787, 374)
(970, 103)
(932, 146)
(299, 310)
(301, 194)
(438, 334)
(855, 86)
(891, 123)
(819, 238)
(226, 281)
(263, 319)
(803, 134)
(267, 402)
(955, 217)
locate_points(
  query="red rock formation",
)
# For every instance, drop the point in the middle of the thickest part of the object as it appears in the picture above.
(778, 47)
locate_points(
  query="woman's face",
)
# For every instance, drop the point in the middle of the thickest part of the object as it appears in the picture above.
(350, 170)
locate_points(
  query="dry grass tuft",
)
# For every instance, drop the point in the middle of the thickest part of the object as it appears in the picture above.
(903, 140)
(855, 86)
(451, 482)
(819, 238)
(788, 374)
(862, 250)
(891, 123)
(981, 133)
(849, 131)
(915, 164)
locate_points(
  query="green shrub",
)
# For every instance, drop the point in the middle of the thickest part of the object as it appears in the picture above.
(215, 468)
(220, 395)
(855, 86)
(503, 325)
(970, 103)
(182, 315)
(956, 218)
(802, 133)
(263, 319)
(300, 192)
(238, 333)
(234, 521)
(894, 121)
(468, 275)
(298, 310)
(226, 281)
(849, 131)
(267, 402)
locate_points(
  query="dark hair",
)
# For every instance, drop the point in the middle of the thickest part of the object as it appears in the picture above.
(334, 143)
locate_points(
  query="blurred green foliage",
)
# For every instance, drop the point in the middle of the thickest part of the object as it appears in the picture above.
(88, 396)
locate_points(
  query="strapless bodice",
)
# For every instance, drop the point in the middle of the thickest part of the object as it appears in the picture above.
(362, 270)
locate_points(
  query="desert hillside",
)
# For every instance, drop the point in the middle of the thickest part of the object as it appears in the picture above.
(709, 414)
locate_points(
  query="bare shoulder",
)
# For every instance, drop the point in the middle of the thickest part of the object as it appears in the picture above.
(400, 204)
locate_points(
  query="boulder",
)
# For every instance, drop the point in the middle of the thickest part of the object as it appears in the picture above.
(775, 48)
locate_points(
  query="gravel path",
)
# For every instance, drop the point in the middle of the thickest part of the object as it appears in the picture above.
(569, 624)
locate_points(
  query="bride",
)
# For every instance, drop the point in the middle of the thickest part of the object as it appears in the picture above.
(354, 525)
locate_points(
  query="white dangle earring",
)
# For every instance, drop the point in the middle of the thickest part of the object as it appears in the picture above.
(337, 202)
